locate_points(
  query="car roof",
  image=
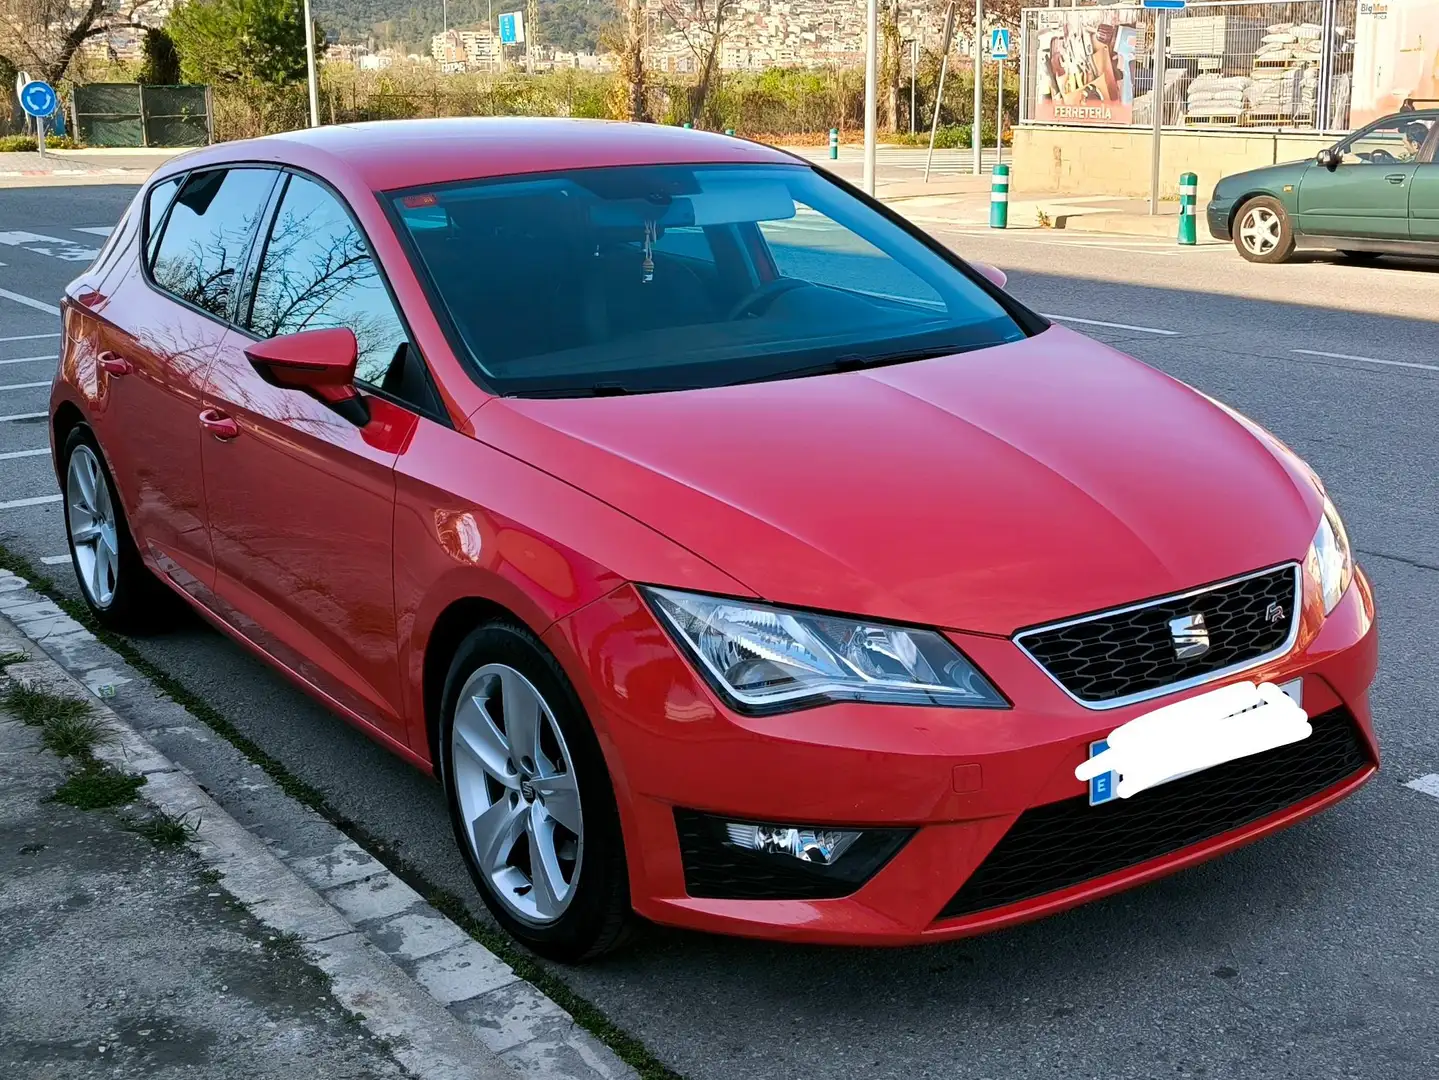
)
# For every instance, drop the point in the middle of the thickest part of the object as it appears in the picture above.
(388, 154)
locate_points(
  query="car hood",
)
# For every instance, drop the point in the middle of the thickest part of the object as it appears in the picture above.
(1269, 178)
(985, 491)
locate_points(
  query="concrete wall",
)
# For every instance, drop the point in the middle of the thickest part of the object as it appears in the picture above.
(1115, 160)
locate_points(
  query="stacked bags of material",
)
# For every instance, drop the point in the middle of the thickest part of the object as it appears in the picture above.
(1174, 80)
(1279, 96)
(1215, 95)
(1294, 43)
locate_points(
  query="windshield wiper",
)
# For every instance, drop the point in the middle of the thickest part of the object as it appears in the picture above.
(861, 361)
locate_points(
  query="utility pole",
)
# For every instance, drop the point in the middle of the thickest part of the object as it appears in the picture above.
(532, 24)
(974, 137)
(871, 92)
(311, 67)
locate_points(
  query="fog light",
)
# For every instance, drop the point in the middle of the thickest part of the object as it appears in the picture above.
(820, 846)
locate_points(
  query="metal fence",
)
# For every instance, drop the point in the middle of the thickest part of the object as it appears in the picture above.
(131, 114)
(1286, 65)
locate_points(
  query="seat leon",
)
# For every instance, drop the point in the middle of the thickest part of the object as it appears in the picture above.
(735, 554)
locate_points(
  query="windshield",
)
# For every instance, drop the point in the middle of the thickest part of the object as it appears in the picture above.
(648, 278)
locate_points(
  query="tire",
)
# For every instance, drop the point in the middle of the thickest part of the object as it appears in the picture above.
(1362, 258)
(1271, 235)
(121, 591)
(586, 913)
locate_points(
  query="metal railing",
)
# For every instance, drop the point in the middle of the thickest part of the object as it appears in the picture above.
(1283, 64)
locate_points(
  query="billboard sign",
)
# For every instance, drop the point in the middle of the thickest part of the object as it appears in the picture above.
(1084, 62)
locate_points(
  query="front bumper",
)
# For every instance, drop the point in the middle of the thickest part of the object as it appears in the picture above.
(1217, 214)
(958, 782)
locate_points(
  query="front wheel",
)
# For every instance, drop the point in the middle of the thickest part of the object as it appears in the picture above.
(1263, 233)
(530, 797)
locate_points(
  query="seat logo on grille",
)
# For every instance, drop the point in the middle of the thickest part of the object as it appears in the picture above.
(1190, 636)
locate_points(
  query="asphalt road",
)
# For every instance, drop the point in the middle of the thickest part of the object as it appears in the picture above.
(1312, 953)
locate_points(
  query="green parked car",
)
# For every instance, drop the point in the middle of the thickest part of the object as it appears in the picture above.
(1376, 192)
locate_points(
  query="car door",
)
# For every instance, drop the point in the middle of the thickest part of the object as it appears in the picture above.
(301, 499)
(1424, 192)
(161, 323)
(1366, 194)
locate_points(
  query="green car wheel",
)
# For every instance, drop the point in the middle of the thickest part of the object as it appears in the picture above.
(1262, 232)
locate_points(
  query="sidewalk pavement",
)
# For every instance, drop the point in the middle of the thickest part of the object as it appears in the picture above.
(124, 958)
(26, 168)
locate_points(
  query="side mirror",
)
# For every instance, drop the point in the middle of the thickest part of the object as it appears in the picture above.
(319, 362)
(994, 273)
(1327, 159)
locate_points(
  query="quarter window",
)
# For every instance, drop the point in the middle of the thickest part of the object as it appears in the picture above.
(156, 203)
(201, 252)
(318, 273)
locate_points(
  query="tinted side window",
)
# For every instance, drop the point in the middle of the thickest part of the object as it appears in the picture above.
(200, 254)
(318, 273)
(156, 203)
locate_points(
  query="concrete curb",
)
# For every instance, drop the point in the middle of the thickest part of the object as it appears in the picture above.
(451, 1009)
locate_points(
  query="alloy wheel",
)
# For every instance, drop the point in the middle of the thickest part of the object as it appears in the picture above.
(93, 536)
(1259, 231)
(518, 794)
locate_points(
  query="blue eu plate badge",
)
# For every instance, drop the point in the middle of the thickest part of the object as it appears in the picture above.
(1101, 787)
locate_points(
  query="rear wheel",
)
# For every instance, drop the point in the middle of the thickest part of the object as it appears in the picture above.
(530, 797)
(1262, 232)
(117, 585)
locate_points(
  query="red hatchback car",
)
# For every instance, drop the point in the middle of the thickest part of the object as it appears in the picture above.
(734, 553)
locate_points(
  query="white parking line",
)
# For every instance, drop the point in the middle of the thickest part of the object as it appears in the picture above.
(24, 385)
(29, 337)
(23, 416)
(38, 305)
(27, 359)
(1367, 359)
(1429, 784)
(11, 455)
(54, 560)
(1113, 325)
(38, 500)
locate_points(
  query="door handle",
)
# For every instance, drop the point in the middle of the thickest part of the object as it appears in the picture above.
(112, 364)
(1395, 178)
(219, 425)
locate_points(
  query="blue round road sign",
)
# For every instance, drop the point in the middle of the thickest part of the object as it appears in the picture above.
(38, 98)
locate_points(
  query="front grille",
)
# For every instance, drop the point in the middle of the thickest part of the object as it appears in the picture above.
(1065, 843)
(1115, 657)
(717, 869)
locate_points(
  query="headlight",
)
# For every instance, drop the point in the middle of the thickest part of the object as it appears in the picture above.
(1330, 564)
(769, 659)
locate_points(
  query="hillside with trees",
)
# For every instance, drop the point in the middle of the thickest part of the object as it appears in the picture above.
(570, 25)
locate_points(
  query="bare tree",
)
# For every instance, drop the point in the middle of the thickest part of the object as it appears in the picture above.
(43, 36)
(704, 25)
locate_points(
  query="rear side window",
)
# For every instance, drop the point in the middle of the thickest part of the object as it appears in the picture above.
(318, 273)
(200, 256)
(156, 203)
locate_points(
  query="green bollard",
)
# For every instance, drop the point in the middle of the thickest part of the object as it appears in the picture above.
(999, 198)
(834, 144)
(688, 125)
(1188, 195)
(729, 132)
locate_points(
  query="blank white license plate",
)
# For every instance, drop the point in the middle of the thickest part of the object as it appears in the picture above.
(1103, 788)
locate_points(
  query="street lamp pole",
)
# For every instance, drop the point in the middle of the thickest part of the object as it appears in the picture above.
(974, 134)
(313, 71)
(871, 92)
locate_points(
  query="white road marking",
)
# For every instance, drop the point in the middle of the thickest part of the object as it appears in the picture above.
(23, 416)
(38, 305)
(95, 230)
(24, 385)
(27, 359)
(1429, 785)
(38, 500)
(15, 239)
(11, 455)
(29, 337)
(54, 560)
(1367, 359)
(1113, 325)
